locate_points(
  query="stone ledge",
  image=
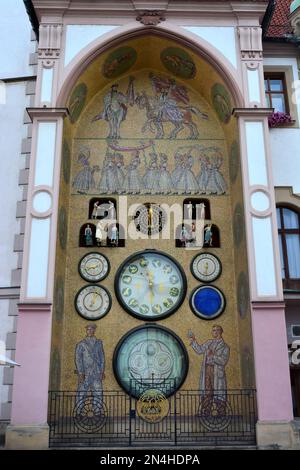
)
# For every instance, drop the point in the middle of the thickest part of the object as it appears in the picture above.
(275, 435)
(27, 437)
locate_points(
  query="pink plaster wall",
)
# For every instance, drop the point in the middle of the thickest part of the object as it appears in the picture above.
(271, 364)
(30, 392)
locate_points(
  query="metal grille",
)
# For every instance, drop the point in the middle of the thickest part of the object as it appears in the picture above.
(111, 419)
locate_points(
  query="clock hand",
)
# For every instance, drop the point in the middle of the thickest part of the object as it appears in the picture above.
(93, 266)
(93, 300)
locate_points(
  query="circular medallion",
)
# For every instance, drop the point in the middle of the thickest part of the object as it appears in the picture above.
(94, 267)
(234, 163)
(153, 406)
(62, 227)
(66, 161)
(90, 414)
(150, 285)
(178, 62)
(119, 61)
(59, 297)
(206, 267)
(238, 224)
(222, 102)
(93, 302)
(207, 302)
(77, 102)
(215, 413)
(150, 219)
(243, 298)
(150, 357)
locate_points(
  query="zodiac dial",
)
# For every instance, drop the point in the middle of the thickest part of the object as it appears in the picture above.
(150, 285)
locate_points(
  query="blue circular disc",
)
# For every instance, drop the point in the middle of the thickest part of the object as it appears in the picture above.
(207, 302)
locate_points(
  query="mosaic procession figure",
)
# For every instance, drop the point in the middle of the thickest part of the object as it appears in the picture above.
(177, 172)
(119, 171)
(202, 177)
(84, 180)
(109, 182)
(151, 177)
(133, 182)
(165, 183)
(187, 184)
(219, 179)
(215, 180)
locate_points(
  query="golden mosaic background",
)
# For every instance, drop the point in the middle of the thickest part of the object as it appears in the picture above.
(68, 326)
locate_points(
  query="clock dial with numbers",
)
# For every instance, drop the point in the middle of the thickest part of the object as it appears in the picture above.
(150, 285)
(93, 302)
(206, 267)
(94, 267)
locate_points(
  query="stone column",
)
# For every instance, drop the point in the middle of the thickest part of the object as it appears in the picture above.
(275, 415)
(28, 428)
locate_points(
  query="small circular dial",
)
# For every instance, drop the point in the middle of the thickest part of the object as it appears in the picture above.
(150, 285)
(207, 302)
(93, 302)
(206, 267)
(94, 267)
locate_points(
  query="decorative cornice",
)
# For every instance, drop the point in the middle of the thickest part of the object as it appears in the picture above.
(252, 112)
(9, 292)
(151, 17)
(47, 112)
(276, 305)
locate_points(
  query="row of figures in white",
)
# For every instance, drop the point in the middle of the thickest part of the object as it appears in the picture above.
(116, 178)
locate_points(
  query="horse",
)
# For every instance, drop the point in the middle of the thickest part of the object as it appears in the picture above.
(157, 115)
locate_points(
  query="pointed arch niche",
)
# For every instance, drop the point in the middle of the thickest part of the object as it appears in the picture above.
(151, 116)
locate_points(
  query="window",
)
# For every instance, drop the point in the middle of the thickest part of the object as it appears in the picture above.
(276, 92)
(288, 222)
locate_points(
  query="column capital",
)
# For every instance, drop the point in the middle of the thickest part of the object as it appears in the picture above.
(47, 112)
(252, 112)
(250, 42)
(50, 40)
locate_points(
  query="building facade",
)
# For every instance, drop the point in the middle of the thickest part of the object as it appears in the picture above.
(156, 266)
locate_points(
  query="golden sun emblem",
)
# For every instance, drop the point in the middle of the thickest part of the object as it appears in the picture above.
(153, 406)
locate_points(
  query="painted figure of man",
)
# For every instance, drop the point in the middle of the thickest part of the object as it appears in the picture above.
(213, 384)
(90, 362)
(115, 108)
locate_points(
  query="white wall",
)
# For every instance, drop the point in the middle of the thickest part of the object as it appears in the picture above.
(285, 142)
(15, 31)
(15, 46)
(12, 130)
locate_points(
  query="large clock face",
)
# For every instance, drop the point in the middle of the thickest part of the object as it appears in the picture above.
(150, 285)
(93, 302)
(150, 357)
